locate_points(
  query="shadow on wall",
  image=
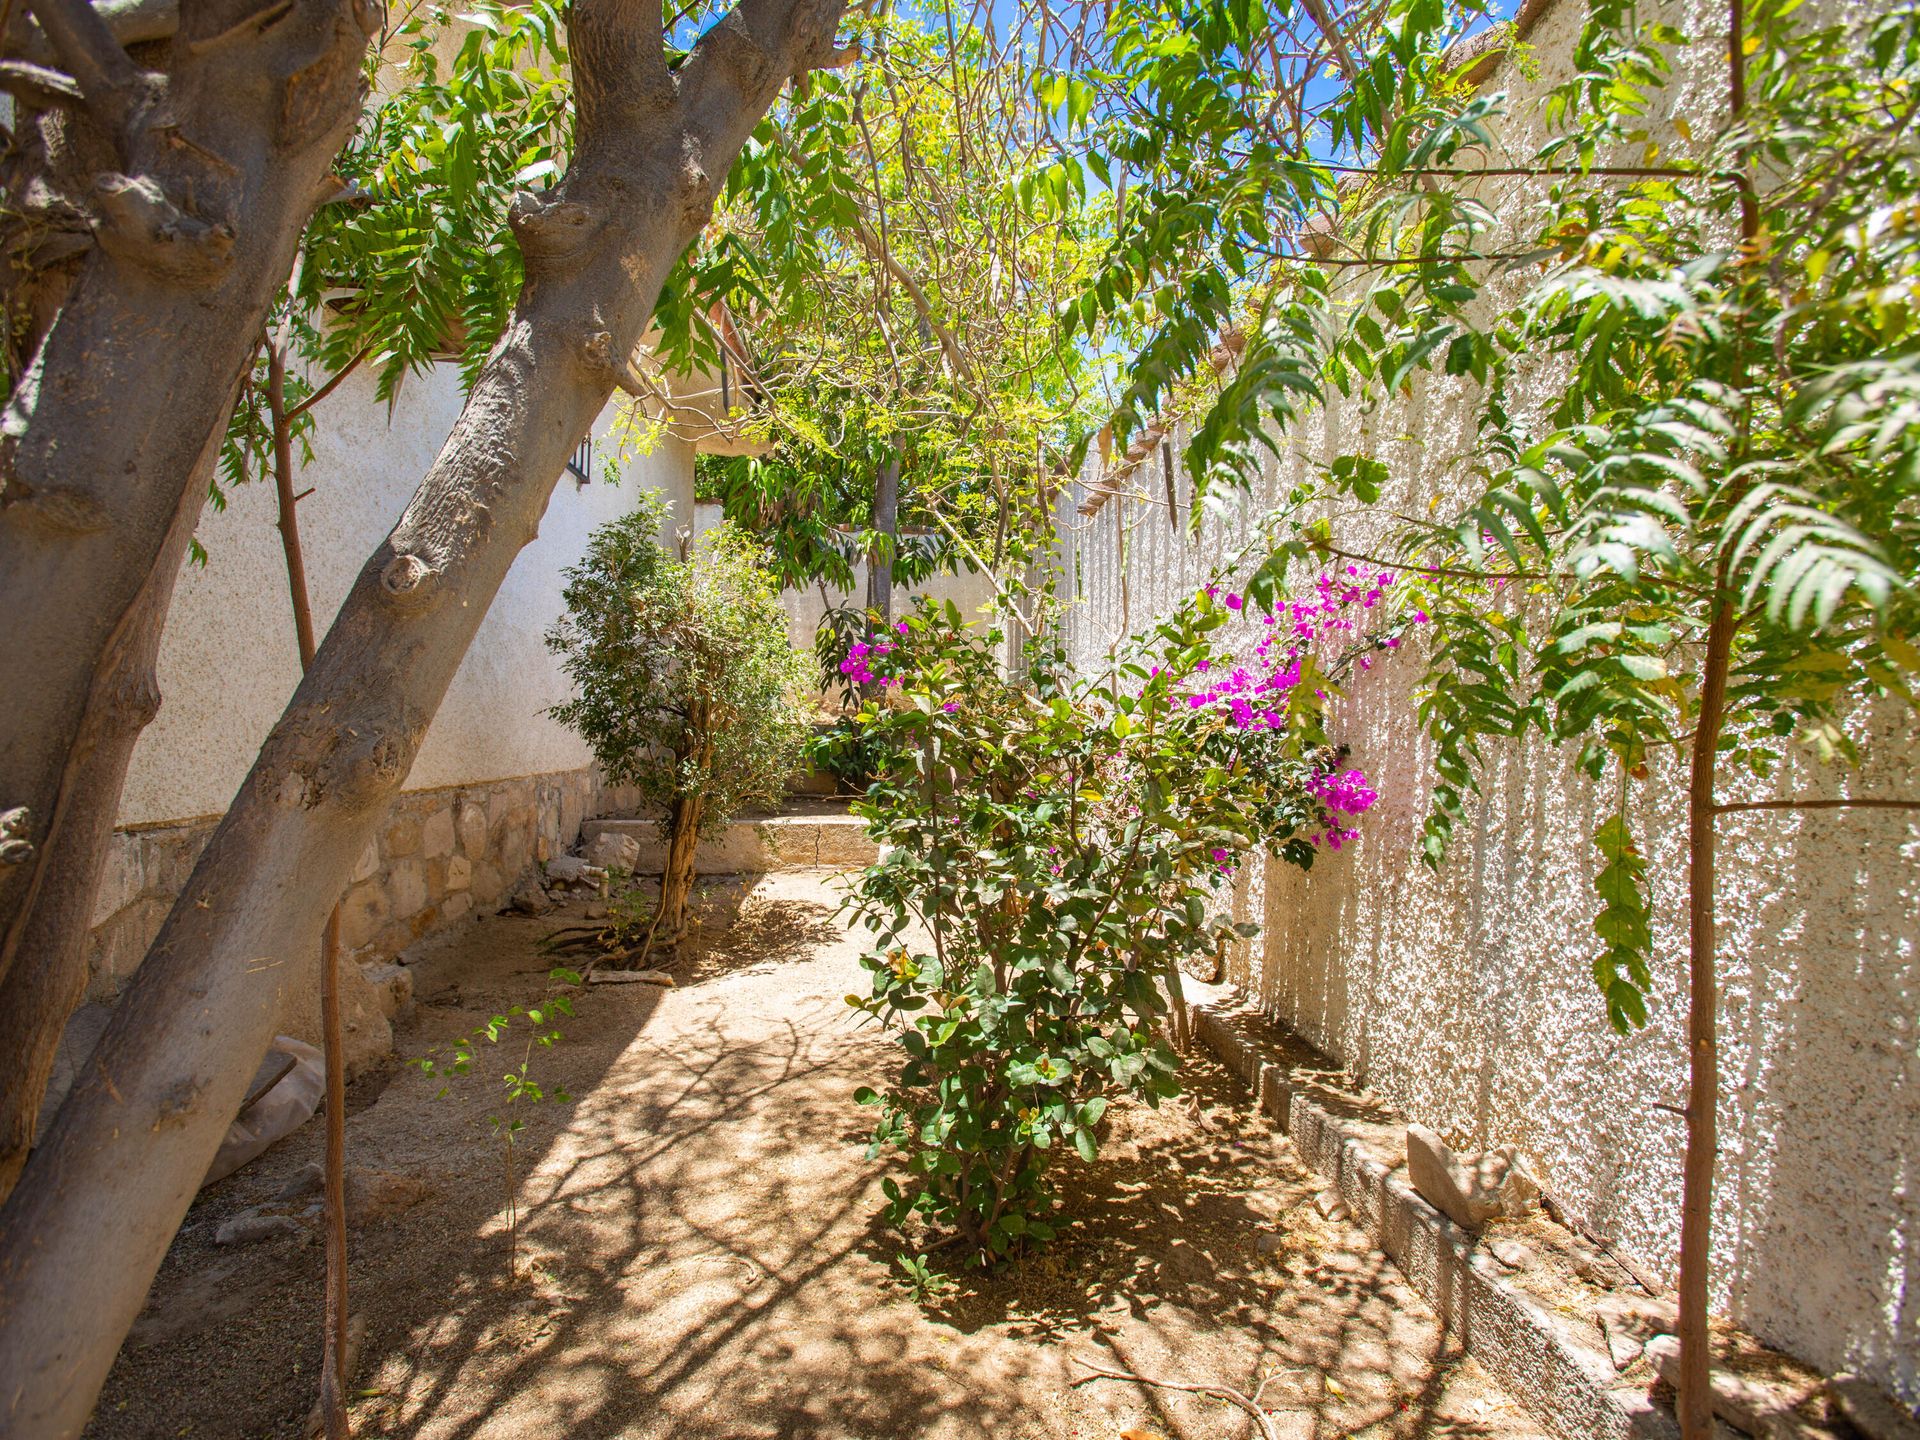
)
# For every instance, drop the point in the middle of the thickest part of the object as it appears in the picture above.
(1464, 996)
(1827, 1048)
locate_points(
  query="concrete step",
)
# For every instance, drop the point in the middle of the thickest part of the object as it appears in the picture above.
(829, 841)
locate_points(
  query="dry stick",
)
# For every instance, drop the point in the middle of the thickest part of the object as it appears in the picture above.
(1248, 1403)
(333, 1363)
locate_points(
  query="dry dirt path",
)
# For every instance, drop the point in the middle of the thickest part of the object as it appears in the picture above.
(704, 1262)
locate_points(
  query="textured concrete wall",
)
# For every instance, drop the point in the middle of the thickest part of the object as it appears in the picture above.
(1465, 997)
(228, 661)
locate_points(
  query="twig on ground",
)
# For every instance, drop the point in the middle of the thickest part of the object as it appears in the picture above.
(1248, 1403)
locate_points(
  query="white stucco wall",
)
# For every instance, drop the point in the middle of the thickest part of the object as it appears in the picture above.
(228, 662)
(1465, 997)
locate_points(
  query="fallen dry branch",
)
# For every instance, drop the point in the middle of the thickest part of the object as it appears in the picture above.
(631, 977)
(1248, 1403)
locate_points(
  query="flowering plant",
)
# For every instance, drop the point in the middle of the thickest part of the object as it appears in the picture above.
(1049, 856)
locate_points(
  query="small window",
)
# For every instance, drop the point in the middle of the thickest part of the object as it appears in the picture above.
(581, 465)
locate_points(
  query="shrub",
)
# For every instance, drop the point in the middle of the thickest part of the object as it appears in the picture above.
(688, 687)
(1051, 860)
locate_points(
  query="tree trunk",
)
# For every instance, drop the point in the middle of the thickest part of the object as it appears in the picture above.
(886, 514)
(677, 874)
(38, 996)
(88, 1225)
(1695, 1394)
(108, 440)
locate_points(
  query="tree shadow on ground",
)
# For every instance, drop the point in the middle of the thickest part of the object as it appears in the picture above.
(1195, 1220)
(704, 1260)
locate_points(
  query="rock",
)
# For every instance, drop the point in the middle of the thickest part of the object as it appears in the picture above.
(529, 898)
(436, 835)
(1588, 1265)
(381, 1194)
(1628, 1323)
(471, 822)
(1511, 1253)
(1329, 1204)
(612, 851)
(392, 987)
(1269, 1243)
(250, 1225)
(403, 836)
(459, 872)
(365, 1029)
(407, 888)
(1469, 1189)
(1869, 1411)
(305, 1181)
(1763, 1411)
(572, 870)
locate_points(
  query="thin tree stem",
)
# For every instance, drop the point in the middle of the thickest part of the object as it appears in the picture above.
(332, 384)
(333, 1369)
(1703, 1093)
(333, 1366)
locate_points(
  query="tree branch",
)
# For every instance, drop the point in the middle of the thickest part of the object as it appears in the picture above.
(327, 389)
(131, 22)
(105, 73)
(758, 46)
(1220, 1392)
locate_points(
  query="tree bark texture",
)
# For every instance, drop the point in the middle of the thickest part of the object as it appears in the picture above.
(99, 1201)
(669, 926)
(108, 440)
(38, 996)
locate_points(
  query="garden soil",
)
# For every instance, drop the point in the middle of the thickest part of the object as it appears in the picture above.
(699, 1253)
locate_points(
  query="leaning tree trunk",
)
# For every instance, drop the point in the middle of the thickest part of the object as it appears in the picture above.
(107, 443)
(99, 1201)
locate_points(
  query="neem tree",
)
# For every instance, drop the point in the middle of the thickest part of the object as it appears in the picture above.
(1704, 547)
(905, 283)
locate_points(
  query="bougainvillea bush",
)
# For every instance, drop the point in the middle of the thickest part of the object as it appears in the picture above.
(1049, 857)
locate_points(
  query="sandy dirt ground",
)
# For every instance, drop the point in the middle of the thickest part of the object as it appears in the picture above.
(700, 1256)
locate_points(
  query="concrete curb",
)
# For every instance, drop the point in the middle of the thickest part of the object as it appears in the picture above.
(1562, 1377)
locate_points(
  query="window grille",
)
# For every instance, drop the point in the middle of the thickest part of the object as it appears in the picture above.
(581, 465)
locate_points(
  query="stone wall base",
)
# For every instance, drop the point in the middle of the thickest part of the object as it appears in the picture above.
(440, 856)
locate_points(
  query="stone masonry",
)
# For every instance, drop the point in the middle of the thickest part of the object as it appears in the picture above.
(440, 856)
